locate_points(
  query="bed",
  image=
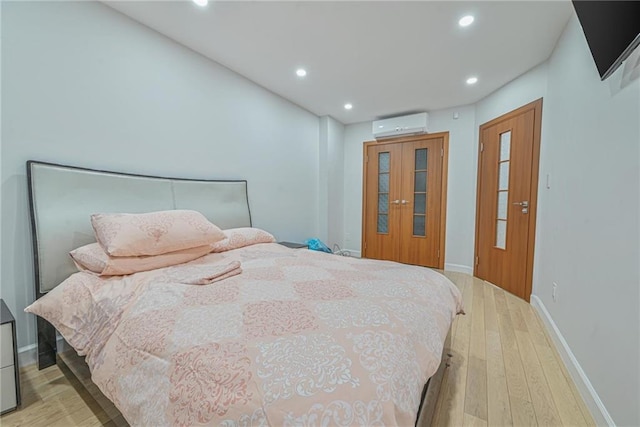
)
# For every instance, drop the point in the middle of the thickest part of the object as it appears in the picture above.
(297, 338)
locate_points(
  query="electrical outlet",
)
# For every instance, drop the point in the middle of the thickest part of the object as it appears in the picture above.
(554, 292)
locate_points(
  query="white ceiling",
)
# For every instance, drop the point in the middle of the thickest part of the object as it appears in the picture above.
(385, 58)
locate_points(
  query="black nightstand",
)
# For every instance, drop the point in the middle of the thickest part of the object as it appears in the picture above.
(9, 375)
(294, 245)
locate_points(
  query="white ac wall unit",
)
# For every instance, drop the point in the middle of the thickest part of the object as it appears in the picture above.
(403, 125)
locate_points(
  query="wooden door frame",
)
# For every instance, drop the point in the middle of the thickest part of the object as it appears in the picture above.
(536, 106)
(443, 183)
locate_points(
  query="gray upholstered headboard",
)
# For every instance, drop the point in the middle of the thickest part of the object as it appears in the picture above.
(62, 198)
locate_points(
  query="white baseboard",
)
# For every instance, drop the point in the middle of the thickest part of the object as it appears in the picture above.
(28, 355)
(589, 394)
(459, 268)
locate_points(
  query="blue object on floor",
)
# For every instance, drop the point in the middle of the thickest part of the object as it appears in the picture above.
(316, 244)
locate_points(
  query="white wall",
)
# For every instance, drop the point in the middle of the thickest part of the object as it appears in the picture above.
(354, 136)
(335, 156)
(461, 183)
(588, 234)
(331, 194)
(323, 178)
(528, 87)
(0, 155)
(84, 85)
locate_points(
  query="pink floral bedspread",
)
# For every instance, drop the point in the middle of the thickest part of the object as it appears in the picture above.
(299, 338)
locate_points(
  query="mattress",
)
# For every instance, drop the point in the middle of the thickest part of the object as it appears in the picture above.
(297, 338)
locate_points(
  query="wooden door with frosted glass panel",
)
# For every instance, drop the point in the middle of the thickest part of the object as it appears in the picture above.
(507, 193)
(382, 206)
(421, 202)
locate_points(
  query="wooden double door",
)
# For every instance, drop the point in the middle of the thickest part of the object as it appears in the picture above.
(403, 210)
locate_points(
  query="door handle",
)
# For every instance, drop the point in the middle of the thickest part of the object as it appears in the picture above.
(395, 202)
(524, 204)
(405, 202)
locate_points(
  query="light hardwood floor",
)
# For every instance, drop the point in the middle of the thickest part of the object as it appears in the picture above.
(504, 370)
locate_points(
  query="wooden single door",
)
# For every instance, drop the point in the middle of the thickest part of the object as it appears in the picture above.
(507, 198)
(403, 200)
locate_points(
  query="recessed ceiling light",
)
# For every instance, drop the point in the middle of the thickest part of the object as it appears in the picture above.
(348, 106)
(472, 80)
(201, 3)
(465, 21)
(301, 72)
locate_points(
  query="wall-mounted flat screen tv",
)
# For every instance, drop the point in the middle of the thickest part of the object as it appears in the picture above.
(612, 30)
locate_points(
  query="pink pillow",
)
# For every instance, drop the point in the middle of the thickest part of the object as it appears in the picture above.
(94, 259)
(241, 237)
(153, 233)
